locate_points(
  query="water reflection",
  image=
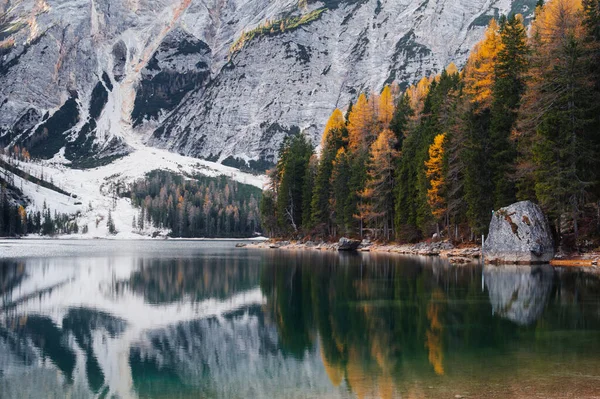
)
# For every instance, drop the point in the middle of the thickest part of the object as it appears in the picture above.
(172, 280)
(519, 293)
(221, 322)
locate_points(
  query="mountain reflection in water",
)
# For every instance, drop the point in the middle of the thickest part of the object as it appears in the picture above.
(191, 319)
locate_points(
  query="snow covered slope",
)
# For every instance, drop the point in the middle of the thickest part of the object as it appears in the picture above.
(80, 78)
(94, 188)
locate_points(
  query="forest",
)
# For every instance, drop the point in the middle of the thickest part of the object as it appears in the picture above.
(521, 121)
(16, 221)
(196, 206)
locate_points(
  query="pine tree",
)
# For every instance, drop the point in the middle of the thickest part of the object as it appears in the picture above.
(308, 189)
(141, 219)
(340, 193)
(356, 185)
(291, 169)
(400, 122)
(478, 151)
(333, 139)
(268, 213)
(111, 224)
(478, 179)
(591, 20)
(378, 196)
(508, 87)
(406, 190)
(556, 112)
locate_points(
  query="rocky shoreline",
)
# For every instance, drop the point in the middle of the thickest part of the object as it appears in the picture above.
(443, 249)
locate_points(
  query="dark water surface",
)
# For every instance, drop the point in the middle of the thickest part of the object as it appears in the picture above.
(177, 319)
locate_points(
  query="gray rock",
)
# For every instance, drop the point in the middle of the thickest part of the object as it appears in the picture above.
(519, 234)
(346, 244)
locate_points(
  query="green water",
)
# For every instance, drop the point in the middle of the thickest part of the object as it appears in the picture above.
(180, 319)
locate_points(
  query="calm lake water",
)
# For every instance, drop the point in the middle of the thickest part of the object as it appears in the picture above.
(180, 319)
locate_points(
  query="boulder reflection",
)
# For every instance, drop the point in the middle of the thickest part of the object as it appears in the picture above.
(519, 293)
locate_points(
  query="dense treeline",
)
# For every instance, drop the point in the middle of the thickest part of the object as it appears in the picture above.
(196, 207)
(16, 221)
(521, 121)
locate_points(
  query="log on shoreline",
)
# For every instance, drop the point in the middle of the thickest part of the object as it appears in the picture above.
(574, 262)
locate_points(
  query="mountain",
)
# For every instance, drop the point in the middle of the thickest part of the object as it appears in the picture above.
(222, 80)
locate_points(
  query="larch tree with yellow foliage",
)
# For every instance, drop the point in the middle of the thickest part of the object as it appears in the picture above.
(479, 72)
(386, 107)
(436, 175)
(362, 122)
(416, 95)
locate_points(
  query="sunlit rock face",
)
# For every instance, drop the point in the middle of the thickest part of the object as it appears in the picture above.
(80, 79)
(519, 293)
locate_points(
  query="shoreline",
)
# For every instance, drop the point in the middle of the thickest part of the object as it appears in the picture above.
(125, 238)
(442, 249)
(466, 254)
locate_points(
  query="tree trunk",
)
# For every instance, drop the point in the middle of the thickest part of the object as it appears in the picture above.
(575, 226)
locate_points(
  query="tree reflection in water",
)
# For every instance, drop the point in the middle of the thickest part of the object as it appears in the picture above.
(275, 323)
(384, 324)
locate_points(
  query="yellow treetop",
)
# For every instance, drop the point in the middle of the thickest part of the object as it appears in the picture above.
(452, 69)
(479, 74)
(435, 174)
(558, 18)
(22, 214)
(360, 124)
(417, 93)
(341, 153)
(386, 107)
(336, 121)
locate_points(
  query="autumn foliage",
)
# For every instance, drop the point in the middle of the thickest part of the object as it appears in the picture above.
(521, 121)
(437, 178)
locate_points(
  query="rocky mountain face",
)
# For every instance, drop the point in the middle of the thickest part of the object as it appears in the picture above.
(224, 80)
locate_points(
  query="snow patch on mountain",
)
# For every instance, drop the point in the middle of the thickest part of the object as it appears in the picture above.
(94, 189)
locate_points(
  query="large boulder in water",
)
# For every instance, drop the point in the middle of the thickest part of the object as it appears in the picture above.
(346, 244)
(519, 234)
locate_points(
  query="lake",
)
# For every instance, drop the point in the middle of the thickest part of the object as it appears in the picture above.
(190, 319)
